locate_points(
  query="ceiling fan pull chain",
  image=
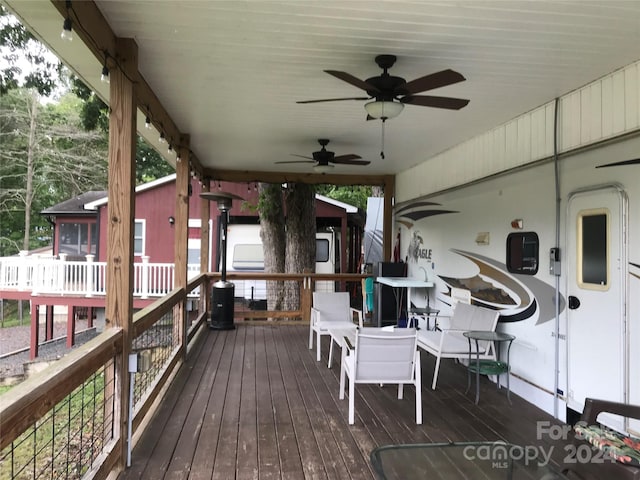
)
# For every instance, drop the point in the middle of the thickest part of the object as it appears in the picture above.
(382, 146)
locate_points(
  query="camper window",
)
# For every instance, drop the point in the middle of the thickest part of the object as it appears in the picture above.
(322, 250)
(522, 253)
(247, 257)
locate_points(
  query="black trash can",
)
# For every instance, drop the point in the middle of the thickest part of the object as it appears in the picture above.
(222, 294)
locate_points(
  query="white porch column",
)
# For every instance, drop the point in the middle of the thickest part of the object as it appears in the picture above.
(89, 275)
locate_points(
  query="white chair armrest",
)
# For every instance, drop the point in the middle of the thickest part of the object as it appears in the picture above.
(315, 316)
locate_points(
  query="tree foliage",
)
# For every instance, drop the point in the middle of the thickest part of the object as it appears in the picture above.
(46, 158)
(19, 49)
(355, 195)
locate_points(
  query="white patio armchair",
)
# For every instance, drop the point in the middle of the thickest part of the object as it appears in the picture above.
(382, 356)
(450, 343)
(331, 310)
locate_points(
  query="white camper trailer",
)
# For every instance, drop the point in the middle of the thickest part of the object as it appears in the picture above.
(245, 254)
(517, 249)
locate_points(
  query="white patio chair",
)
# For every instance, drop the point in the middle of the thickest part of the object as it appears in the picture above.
(381, 356)
(331, 310)
(450, 343)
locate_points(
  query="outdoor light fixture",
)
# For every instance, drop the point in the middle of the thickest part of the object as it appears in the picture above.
(147, 122)
(322, 168)
(384, 110)
(222, 292)
(104, 77)
(172, 220)
(67, 30)
(162, 139)
(67, 25)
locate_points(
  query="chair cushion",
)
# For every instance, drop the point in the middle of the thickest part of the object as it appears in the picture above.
(622, 448)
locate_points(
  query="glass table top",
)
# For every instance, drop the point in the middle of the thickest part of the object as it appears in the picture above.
(465, 460)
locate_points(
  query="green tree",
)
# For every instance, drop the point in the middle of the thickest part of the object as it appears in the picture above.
(18, 48)
(355, 195)
(46, 158)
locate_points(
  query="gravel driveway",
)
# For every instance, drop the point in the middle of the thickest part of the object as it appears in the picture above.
(13, 339)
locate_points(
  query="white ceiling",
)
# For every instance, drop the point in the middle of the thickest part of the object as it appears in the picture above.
(230, 72)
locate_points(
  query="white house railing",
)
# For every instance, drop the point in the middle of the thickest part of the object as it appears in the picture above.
(40, 275)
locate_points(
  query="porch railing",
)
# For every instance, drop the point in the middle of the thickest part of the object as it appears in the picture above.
(59, 276)
(63, 422)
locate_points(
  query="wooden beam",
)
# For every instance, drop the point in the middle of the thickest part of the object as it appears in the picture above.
(205, 244)
(120, 229)
(181, 237)
(242, 176)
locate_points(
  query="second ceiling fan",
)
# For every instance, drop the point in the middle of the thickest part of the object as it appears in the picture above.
(324, 158)
(390, 94)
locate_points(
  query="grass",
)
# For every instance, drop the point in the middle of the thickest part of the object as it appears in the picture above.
(66, 440)
(10, 317)
(5, 388)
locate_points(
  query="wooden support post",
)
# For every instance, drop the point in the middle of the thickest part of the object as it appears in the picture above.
(35, 331)
(71, 326)
(182, 236)
(89, 317)
(306, 298)
(48, 329)
(205, 244)
(122, 149)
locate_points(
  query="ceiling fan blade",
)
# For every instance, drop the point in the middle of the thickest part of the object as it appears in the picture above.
(348, 161)
(369, 117)
(429, 82)
(302, 156)
(349, 156)
(356, 82)
(297, 161)
(333, 99)
(437, 102)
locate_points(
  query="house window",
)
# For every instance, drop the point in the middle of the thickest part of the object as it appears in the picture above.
(138, 238)
(77, 239)
(593, 252)
(522, 253)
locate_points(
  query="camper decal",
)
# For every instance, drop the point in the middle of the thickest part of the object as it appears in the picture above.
(415, 211)
(415, 250)
(633, 274)
(518, 297)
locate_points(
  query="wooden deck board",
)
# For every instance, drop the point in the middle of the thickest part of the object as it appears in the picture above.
(253, 403)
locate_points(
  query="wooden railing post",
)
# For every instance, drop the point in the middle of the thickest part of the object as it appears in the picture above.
(23, 270)
(183, 171)
(60, 272)
(306, 298)
(89, 275)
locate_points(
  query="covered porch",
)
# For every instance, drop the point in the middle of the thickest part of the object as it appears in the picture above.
(254, 403)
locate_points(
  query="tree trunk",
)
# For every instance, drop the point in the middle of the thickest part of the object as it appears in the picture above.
(301, 237)
(31, 147)
(272, 228)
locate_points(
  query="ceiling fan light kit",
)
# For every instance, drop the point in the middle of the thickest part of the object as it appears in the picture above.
(384, 110)
(322, 168)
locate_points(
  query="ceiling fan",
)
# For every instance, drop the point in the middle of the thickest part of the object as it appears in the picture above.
(324, 159)
(391, 93)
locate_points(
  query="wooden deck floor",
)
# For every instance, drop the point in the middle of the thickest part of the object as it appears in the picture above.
(253, 403)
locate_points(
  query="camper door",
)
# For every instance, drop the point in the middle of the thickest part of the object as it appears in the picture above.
(596, 338)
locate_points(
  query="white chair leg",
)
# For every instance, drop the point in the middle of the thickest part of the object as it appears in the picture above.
(435, 374)
(310, 337)
(342, 375)
(330, 352)
(318, 346)
(418, 384)
(352, 388)
(400, 390)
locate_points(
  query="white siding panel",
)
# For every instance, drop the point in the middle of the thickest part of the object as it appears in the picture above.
(631, 87)
(524, 139)
(500, 162)
(605, 108)
(511, 142)
(595, 119)
(570, 121)
(618, 102)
